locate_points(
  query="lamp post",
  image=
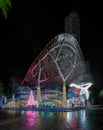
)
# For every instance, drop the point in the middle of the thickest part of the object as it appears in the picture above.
(13, 95)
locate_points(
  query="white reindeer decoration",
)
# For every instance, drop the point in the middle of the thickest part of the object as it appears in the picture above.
(83, 89)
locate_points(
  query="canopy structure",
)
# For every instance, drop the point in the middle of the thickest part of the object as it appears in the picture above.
(60, 62)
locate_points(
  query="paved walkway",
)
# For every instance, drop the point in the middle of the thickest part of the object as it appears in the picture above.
(78, 120)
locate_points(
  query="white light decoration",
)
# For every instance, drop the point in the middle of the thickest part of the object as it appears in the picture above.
(60, 62)
(83, 88)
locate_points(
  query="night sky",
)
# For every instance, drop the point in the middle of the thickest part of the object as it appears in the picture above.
(31, 25)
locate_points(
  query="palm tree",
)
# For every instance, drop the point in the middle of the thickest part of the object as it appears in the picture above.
(5, 5)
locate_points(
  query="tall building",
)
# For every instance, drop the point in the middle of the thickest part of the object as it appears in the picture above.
(72, 25)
